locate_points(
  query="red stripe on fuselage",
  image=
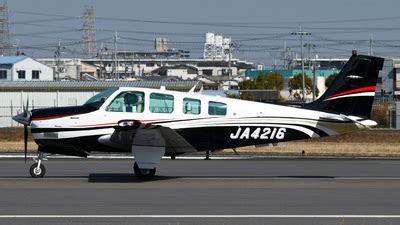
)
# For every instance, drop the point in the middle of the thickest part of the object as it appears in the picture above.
(358, 90)
(96, 125)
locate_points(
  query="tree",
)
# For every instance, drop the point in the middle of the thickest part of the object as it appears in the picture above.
(247, 85)
(330, 79)
(272, 81)
(296, 86)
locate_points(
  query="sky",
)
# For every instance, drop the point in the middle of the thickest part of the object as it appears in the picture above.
(260, 28)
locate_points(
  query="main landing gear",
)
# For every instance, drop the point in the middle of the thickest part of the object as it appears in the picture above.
(37, 169)
(148, 148)
(143, 173)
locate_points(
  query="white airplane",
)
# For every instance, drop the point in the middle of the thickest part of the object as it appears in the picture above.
(152, 123)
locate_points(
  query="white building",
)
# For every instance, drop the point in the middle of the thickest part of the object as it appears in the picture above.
(70, 68)
(23, 68)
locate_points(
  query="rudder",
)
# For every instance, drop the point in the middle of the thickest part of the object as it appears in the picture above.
(353, 91)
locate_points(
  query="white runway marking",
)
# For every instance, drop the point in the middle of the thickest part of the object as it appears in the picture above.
(200, 216)
(217, 178)
(290, 178)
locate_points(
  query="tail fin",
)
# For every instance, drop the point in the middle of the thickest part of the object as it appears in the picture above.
(353, 91)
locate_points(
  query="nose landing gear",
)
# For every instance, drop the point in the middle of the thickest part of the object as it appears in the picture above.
(37, 169)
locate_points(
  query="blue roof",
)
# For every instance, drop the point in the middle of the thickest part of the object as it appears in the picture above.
(11, 59)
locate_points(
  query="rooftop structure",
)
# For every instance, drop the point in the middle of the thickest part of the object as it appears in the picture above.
(320, 63)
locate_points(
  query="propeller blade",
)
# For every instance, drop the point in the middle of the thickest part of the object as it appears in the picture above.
(27, 105)
(26, 140)
(23, 108)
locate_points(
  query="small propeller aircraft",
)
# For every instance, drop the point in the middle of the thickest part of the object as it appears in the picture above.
(151, 123)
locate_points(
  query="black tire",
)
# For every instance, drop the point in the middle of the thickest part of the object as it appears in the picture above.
(143, 173)
(37, 173)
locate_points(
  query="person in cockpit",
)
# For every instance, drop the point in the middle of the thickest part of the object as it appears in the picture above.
(130, 103)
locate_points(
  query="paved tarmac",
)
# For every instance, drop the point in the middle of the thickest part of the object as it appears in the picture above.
(279, 191)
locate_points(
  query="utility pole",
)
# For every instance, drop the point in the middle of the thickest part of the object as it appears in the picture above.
(302, 33)
(370, 44)
(314, 81)
(309, 46)
(17, 53)
(284, 55)
(140, 71)
(230, 66)
(232, 47)
(101, 60)
(57, 56)
(115, 58)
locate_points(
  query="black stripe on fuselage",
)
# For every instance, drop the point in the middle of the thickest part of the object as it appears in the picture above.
(60, 111)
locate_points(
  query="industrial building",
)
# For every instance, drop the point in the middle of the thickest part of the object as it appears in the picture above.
(144, 64)
(218, 60)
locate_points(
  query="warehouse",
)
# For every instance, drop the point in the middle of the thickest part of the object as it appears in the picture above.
(13, 95)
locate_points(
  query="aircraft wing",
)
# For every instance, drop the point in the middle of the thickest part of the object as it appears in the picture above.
(133, 132)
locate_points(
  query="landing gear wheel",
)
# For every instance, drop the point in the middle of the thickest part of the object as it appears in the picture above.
(143, 173)
(37, 172)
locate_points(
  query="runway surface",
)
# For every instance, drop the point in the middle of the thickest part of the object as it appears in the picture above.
(279, 191)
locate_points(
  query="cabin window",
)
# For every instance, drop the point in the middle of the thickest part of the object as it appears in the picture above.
(21, 74)
(161, 103)
(216, 108)
(191, 106)
(130, 101)
(3, 74)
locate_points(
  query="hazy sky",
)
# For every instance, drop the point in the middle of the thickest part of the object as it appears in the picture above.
(259, 27)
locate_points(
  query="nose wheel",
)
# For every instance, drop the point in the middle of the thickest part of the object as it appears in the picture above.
(37, 169)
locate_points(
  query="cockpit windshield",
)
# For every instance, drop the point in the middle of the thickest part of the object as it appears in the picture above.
(100, 98)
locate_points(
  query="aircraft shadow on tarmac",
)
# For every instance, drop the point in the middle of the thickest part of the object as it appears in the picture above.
(122, 178)
(130, 178)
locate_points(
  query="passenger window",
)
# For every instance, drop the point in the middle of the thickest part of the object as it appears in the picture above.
(131, 101)
(161, 103)
(216, 108)
(191, 106)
